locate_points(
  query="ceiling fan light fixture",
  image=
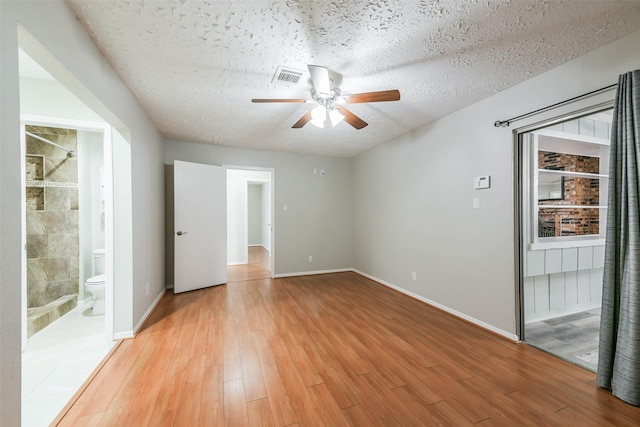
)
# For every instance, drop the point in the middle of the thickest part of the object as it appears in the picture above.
(329, 111)
(335, 116)
(318, 116)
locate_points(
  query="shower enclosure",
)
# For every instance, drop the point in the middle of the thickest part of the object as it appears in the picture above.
(52, 222)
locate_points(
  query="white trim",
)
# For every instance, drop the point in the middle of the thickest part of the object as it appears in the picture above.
(587, 175)
(573, 137)
(311, 273)
(237, 263)
(123, 335)
(23, 234)
(571, 242)
(109, 231)
(480, 323)
(65, 123)
(148, 312)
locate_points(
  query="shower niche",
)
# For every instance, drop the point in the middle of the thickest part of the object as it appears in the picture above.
(35, 174)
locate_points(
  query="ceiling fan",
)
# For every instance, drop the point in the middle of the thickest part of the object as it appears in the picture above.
(330, 109)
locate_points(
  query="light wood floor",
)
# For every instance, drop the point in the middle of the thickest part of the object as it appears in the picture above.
(257, 268)
(334, 350)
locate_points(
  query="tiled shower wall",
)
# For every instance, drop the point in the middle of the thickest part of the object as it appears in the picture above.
(52, 216)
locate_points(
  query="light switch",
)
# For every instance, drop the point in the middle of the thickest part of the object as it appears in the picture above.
(285, 207)
(476, 203)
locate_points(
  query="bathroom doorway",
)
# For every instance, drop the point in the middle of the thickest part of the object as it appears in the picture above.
(65, 220)
(67, 213)
(250, 235)
(64, 227)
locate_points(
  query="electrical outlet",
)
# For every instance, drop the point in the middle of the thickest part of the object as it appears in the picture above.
(310, 258)
(147, 288)
(413, 276)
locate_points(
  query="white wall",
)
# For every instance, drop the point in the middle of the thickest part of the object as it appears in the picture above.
(562, 281)
(79, 66)
(92, 218)
(319, 218)
(414, 195)
(266, 216)
(254, 214)
(50, 99)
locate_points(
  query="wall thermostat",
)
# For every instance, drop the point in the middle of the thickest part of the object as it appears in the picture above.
(480, 182)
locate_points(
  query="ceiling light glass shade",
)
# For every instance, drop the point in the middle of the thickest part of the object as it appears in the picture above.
(335, 116)
(318, 116)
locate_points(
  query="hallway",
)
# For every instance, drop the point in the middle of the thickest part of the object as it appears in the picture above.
(257, 268)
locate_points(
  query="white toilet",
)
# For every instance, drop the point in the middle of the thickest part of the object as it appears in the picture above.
(95, 284)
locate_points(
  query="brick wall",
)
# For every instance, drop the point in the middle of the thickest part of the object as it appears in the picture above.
(577, 191)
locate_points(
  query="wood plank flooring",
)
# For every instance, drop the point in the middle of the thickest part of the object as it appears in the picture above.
(257, 268)
(331, 350)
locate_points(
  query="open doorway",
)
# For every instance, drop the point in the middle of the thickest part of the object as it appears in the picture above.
(249, 223)
(68, 235)
(564, 175)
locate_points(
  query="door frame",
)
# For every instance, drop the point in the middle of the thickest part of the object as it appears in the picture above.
(272, 234)
(519, 192)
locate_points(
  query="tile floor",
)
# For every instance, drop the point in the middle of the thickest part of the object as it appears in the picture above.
(57, 362)
(573, 337)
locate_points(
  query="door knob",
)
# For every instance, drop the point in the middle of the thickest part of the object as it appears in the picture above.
(180, 233)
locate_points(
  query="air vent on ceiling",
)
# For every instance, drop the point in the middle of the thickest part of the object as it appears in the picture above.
(287, 75)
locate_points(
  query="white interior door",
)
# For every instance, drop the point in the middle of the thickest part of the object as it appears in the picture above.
(200, 226)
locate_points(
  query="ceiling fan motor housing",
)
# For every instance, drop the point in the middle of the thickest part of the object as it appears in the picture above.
(326, 100)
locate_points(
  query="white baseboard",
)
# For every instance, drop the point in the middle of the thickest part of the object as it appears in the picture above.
(449, 310)
(259, 245)
(148, 312)
(123, 335)
(311, 273)
(132, 334)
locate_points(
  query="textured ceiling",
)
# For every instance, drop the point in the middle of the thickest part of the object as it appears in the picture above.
(194, 66)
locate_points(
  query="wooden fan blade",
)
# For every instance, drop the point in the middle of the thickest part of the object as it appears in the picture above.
(320, 79)
(384, 95)
(303, 120)
(258, 100)
(351, 118)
